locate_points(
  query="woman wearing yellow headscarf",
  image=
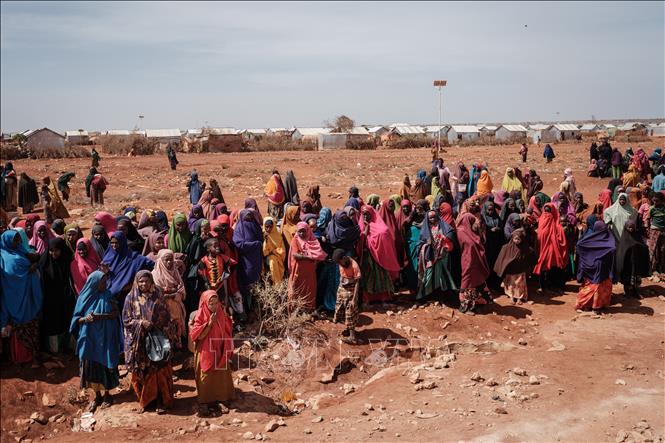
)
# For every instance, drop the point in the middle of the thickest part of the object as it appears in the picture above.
(289, 222)
(274, 251)
(485, 184)
(631, 178)
(510, 182)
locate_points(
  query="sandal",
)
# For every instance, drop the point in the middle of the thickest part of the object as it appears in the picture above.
(108, 401)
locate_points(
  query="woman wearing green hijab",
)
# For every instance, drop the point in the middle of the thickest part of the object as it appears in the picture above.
(179, 234)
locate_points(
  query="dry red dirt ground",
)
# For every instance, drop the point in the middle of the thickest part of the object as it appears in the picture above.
(427, 373)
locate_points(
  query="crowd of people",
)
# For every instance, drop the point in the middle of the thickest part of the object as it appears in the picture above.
(142, 287)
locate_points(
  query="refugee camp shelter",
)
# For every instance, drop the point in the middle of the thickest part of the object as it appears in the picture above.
(511, 133)
(76, 137)
(43, 139)
(164, 136)
(309, 134)
(463, 133)
(561, 132)
(224, 140)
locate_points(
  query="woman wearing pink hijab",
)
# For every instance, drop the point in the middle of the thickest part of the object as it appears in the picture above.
(107, 221)
(86, 261)
(378, 258)
(41, 237)
(305, 253)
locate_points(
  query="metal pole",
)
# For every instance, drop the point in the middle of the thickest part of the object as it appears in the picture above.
(438, 147)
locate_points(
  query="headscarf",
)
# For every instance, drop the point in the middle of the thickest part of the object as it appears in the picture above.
(25, 243)
(380, 240)
(551, 240)
(275, 239)
(216, 191)
(397, 199)
(216, 348)
(194, 188)
(537, 211)
(123, 264)
(373, 200)
(205, 201)
(632, 177)
(405, 190)
(150, 248)
(81, 267)
(632, 254)
(100, 340)
(108, 221)
(343, 232)
(193, 218)
(250, 203)
(289, 222)
(134, 239)
(36, 241)
(513, 258)
(641, 162)
(88, 180)
(178, 241)
(162, 221)
(446, 214)
(325, 215)
(69, 228)
(291, 189)
(21, 295)
(475, 269)
(605, 198)
(491, 220)
(308, 246)
(511, 184)
(248, 238)
(617, 215)
(418, 190)
(196, 248)
(274, 190)
(99, 247)
(565, 209)
(506, 211)
(510, 227)
(59, 226)
(485, 185)
(595, 255)
(168, 278)
(400, 217)
(219, 209)
(315, 196)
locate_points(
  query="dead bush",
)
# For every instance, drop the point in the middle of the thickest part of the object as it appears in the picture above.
(280, 143)
(121, 145)
(11, 152)
(410, 142)
(361, 145)
(277, 315)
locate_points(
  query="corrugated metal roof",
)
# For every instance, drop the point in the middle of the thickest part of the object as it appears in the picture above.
(565, 127)
(277, 130)
(588, 127)
(223, 131)
(193, 132)
(76, 133)
(255, 131)
(162, 133)
(359, 130)
(117, 132)
(628, 126)
(408, 130)
(489, 127)
(462, 129)
(514, 128)
(312, 131)
(435, 128)
(375, 129)
(538, 127)
(30, 132)
(394, 125)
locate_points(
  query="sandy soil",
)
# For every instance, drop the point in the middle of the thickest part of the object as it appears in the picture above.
(587, 378)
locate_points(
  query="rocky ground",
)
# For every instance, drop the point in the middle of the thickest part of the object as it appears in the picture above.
(535, 372)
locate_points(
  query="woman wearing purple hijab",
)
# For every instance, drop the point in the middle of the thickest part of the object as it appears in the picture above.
(195, 215)
(250, 203)
(248, 238)
(595, 271)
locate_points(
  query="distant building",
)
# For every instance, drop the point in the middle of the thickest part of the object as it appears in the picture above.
(462, 133)
(589, 127)
(279, 132)
(224, 140)
(401, 131)
(656, 130)
(118, 133)
(309, 134)
(42, 139)
(488, 131)
(164, 136)
(77, 137)
(340, 140)
(511, 133)
(252, 134)
(379, 132)
(561, 132)
(435, 131)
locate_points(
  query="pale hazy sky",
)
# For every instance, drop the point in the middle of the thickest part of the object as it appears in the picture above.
(99, 65)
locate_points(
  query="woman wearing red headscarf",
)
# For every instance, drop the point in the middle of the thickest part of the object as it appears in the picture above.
(378, 258)
(86, 261)
(475, 270)
(387, 214)
(305, 253)
(552, 245)
(211, 332)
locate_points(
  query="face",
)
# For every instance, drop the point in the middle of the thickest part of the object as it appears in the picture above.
(579, 199)
(301, 233)
(420, 211)
(102, 284)
(114, 244)
(71, 236)
(28, 227)
(510, 173)
(159, 244)
(144, 284)
(344, 261)
(213, 249)
(475, 208)
(55, 253)
(268, 227)
(168, 262)
(98, 236)
(431, 217)
(367, 217)
(391, 205)
(517, 239)
(198, 212)
(180, 226)
(205, 232)
(406, 209)
(490, 208)
(41, 232)
(213, 303)
(312, 223)
(622, 200)
(82, 250)
(122, 227)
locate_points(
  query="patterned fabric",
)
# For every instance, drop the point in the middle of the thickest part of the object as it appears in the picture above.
(594, 295)
(346, 308)
(471, 297)
(375, 282)
(656, 244)
(515, 286)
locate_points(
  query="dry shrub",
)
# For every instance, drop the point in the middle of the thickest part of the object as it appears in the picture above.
(361, 145)
(121, 145)
(11, 152)
(277, 315)
(631, 137)
(280, 143)
(410, 142)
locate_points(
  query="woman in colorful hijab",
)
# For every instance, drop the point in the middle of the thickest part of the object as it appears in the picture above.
(418, 191)
(195, 215)
(616, 216)
(134, 240)
(72, 234)
(20, 298)
(211, 331)
(405, 191)
(274, 192)
(291, 219)
(387, 214)
(146, 311)
(632, 177)
(86, 261)
(632, 260)
(99, 240)
(514, 263)
(536, 205)
(28, 196)
(304, 254)
(509, 207)
(57, 208)
(411, 228)
(194, 187)
(314, 195)
(96, 329)
(595, 256)
(434, 268)
(153, 245)
(217, 210)
(250, 203)
(274, 251)
(248, 239)
(641, 163)
(343, 231)
(107, 221)
(205, 201)
(167, 277)
(553, 252)
(327, 272)
(373, 200)
(475, 270)
(494, 239)
(123, 264)
(565, 207)
(378, 257)
(58, 292)
(42, 236)
(484, 184)
(179, 234)
(510, 182)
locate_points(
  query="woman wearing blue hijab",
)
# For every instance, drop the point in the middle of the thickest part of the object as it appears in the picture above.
(20, 297)
(194, 187)
(327, 272)
(123, 265)
(96, 327)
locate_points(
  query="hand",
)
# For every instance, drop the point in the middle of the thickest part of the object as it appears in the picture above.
(213, 318)
(89, 318)
(6, 331)
(145, 324)
(104, 268)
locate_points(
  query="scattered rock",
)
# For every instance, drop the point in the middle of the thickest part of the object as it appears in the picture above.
(522, 341)
(349, 388)
(491, 382)
(556, 347)
(519, 371)
(47, 401)
(415, 378)
(427, 385)
(248, 436)
(533, 380)
(307, 431)
(512, 382)
(477, 377)
(369, 407)
(54, 418)
(327, 377)
(496, 397)
(533, 395)
(268, 380)
(318, 419)
(39, 418)
(500, 410)
(620, 381)
(271, 426)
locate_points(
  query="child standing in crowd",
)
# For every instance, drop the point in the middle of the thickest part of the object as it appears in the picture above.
(347, 295)
(656, 240)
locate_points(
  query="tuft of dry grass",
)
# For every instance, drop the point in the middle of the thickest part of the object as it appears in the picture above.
(277, 315)
(280, 143)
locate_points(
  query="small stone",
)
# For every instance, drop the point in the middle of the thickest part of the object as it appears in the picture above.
(533, 380)
(268, 380)
(500, 410)
(620, 381)
(496, 397)
(327, 377)
(47, 401)
(621, 436)
(307, 431)
(55, 417)
(522, 341)
(415, 378)
(491, 382)
(39, 418)
(369, 407)
(271, 426)
(349, 388)
(519, 371)
(477, 377)
(534, 395)
(248, 436)
(318, 419)
(512, 382)
(556, 347)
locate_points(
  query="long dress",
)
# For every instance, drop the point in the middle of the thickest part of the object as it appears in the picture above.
(274, 252)
(10, 184)
(150, 380)
(171, 284)
(213, 351)
(302, 272)
(57, 208)
(28, 196)
(434, 259)
(327, 272)
(596, 257)
(248, 238)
